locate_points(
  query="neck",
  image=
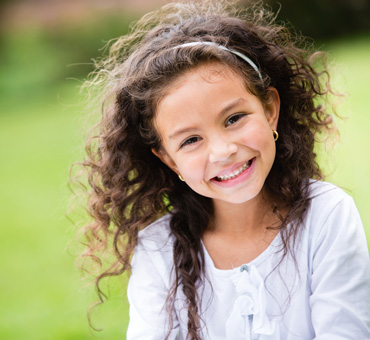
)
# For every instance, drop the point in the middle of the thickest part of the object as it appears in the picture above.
(238, 232)
(247, 218)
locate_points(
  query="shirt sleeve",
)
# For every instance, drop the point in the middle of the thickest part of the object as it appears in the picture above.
(147, 293)
(340, 281)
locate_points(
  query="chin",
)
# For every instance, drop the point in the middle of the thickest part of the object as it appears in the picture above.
(237, 199)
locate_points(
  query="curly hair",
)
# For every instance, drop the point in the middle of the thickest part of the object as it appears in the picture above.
(131, 187)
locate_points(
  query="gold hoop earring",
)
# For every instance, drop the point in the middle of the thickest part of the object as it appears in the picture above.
(275, 134)
(181, 178)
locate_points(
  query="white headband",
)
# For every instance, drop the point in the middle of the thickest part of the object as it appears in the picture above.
(241, 55)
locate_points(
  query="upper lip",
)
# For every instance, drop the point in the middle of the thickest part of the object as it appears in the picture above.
(230, 170)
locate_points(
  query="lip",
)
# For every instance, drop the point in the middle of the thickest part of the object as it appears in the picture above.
(236, 180)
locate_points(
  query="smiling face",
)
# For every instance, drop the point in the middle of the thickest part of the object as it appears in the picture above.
(216, 134)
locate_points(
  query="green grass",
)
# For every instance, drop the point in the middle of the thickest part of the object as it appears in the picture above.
(350, 166)
(42, 295)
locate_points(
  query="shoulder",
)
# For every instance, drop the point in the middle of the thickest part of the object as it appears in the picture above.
(326, 198)
(333, 217)
(155, 242)
(331, 214)
(326, 190)
(156, 235)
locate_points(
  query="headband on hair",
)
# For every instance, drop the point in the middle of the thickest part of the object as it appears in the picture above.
(241, 55)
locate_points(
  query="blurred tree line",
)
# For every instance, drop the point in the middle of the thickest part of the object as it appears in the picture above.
(325, 19)
(67, 48)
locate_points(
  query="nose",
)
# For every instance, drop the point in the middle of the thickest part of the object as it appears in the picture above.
(221, 150)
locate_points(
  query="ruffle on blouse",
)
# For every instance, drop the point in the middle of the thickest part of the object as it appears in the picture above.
(248, 319)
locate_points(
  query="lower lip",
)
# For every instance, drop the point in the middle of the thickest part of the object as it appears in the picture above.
(236, 180)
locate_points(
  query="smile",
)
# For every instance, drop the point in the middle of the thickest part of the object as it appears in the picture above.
(236, 173)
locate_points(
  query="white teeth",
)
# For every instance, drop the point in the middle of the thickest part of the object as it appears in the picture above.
(236, 173)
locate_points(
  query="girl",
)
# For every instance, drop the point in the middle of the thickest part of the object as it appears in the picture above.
(205, 171)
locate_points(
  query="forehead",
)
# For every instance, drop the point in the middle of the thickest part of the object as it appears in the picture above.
(212, 80)
(212, 72)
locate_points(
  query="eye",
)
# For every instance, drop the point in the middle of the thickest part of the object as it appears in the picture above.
(234, 118)
(189, 141)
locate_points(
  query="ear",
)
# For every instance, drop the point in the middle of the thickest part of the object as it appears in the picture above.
(272, 108)
(166, 159)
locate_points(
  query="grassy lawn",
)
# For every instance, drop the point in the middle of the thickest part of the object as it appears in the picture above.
(43, 296)
(349, 164)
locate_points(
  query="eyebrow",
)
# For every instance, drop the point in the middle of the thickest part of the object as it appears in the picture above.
(226, 109)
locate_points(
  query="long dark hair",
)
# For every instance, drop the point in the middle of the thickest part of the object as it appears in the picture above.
(130, 187)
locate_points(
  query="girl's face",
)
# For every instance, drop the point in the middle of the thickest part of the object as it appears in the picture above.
(216, 134)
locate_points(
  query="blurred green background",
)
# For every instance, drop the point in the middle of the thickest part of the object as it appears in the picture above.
(45, 53)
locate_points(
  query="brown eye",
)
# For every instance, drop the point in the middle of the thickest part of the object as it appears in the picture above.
(233, 119)
(189, 141)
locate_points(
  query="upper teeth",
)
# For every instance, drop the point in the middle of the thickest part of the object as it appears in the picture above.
(235, 173)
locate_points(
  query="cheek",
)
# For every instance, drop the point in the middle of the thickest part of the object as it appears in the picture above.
(191, 166)
(260, 140)
(258, 137)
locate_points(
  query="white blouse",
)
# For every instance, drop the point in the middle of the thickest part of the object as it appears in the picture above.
(323, 294)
